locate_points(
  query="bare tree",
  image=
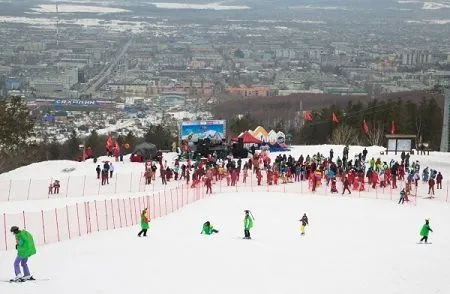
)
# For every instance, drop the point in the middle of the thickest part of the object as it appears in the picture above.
(375, 136)
(344, 135)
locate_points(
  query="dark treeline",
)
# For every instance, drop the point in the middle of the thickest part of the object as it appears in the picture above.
(419, 114)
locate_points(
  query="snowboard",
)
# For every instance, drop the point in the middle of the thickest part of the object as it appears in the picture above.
(24, 281)
(424, 243)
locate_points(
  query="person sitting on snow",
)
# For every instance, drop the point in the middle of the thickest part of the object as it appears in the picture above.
(208, 229)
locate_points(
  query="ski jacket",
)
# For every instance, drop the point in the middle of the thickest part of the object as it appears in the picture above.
(145, 220)
(25, 244)
(425, 230)
(248, 222)
(304, 220)
(207, 230)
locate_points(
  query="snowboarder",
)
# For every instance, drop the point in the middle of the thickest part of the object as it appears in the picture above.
(208, 229)
(25, 249)
(144, 223)
(304, 221)
(248, 223)
(425, 231)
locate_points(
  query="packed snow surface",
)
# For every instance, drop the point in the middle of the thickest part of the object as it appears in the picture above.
(351, 246)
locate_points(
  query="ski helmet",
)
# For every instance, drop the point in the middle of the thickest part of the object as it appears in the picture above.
(14, 229)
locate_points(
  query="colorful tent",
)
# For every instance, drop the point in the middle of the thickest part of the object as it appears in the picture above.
(248, 138)
(261, 134)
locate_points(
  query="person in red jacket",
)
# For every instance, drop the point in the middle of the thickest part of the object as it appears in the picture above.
(346, 186)
(431, 187)
(374, 179)
(333, 185)
(259, 176)
(208, 184)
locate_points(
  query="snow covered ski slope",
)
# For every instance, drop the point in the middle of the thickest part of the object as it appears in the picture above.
(351, 246)
(354, 243)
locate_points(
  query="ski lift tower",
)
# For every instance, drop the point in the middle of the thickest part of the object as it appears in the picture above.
(444, 85)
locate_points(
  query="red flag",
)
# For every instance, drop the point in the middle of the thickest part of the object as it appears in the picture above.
(308, 116)
(109, 143)
(365, 127)
(393, 128)
(334, 118)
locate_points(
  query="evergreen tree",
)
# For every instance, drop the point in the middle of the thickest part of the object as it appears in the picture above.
(73, 146)
(159, 136)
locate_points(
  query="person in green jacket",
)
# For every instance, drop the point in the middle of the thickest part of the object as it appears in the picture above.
(425, 231)
(25, 249)
(145, 220)
(248, 224)
(208, 229)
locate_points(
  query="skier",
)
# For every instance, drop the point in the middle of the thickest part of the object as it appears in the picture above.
(248, 223)
(304, 221)
(98, 170)
(431, 187)
(25, 249)
(208, 229)
(346, 186)
(425, 231)
(144, 223)
(111, 170)
(439, 180)
(402, 196)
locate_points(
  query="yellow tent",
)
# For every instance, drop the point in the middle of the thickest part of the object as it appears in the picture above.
(261, 134)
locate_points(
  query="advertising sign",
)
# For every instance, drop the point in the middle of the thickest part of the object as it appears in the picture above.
(213, 130)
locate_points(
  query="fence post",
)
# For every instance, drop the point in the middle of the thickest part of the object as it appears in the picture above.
(125, 212)
(140, 182)
(115, 185)
(446, 199)
(154, 205)
(29, 188)
(78, 220)
(112, 210)
(57, 224)
(134, 205)
(67, 188)
(165, 201)
(6, 236)
(120, 215)
(106, 216)
(131, 211)
(159, 200)
(9, 190)
(96, 215)
(131, 181)
(84, 185)
(87, 212)
(68, 224)
(24, 221)
(43, 226)
(171, 199)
